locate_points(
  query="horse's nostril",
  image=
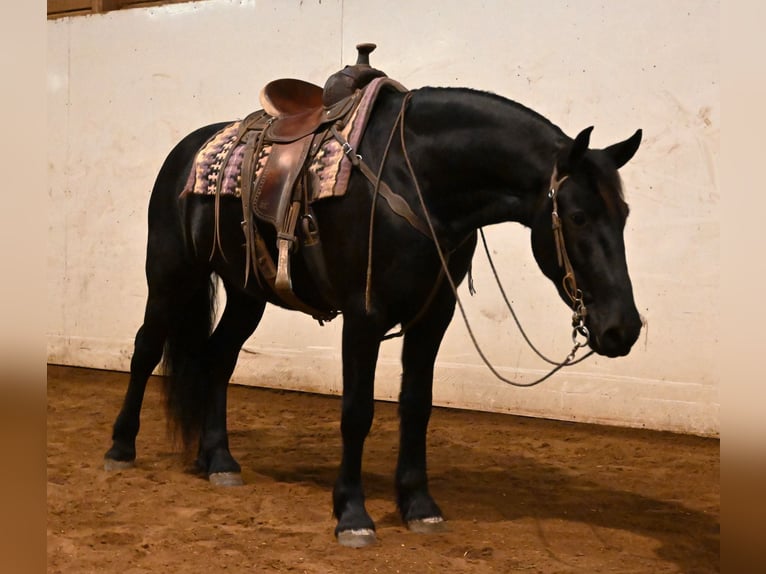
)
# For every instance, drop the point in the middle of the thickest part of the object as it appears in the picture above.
(616, 341)
(612, 336)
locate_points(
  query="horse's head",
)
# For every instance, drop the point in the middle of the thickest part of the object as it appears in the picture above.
(592, 213)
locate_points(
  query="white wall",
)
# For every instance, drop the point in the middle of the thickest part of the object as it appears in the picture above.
(124, 87)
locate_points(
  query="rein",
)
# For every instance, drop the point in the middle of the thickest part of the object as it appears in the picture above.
(569, 282)
(516, 319)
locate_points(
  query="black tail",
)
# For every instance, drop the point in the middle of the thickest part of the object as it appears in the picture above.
(184, 361)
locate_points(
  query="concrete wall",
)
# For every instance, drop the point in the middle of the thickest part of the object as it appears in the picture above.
(125, 86)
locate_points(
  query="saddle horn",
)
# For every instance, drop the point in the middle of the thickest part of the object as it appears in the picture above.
(351, 78)
(363, 53)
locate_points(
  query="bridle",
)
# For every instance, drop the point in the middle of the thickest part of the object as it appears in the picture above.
(569, 282)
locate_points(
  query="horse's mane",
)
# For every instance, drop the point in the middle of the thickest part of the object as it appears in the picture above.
(451, 94)
(607, 180)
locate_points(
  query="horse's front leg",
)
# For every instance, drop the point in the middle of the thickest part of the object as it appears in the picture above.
(361, 343)
(421, 344)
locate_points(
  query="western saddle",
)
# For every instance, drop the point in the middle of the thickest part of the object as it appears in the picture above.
(297, 117)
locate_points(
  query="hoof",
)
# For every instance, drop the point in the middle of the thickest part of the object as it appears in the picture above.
(111, 464)
(357, 538)
(428, 525)
(226, 479)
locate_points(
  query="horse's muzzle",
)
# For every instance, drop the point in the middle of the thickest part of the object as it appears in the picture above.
(617, 338)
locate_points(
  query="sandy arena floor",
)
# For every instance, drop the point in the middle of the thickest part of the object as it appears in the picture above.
(519, 494)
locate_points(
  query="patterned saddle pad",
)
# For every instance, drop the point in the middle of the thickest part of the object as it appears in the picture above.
(327, 170)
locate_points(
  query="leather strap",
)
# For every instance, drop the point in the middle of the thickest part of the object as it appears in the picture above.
(244, 128)
(269, 272)
(285, 241)
(313, 257)
(395, 202)
(253, 145)
(569, 283)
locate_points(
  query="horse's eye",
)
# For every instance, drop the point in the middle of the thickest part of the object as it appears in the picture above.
(578, 218)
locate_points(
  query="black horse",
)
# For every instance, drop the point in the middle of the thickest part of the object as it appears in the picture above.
(475, 159)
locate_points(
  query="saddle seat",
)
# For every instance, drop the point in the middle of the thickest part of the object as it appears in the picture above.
(290, 97)
(296, 107)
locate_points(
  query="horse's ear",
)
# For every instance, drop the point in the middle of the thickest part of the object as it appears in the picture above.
(622, 152)
(573, 153)
(579, 147)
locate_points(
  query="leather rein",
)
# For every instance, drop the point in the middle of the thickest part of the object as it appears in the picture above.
(569, 281)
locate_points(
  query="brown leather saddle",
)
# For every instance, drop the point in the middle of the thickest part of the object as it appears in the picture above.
(297, 117)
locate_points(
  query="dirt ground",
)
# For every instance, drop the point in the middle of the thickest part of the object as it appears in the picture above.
(519, 494)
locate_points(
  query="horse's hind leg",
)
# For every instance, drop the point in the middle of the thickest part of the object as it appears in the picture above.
(146, 356)
(171, 284)
(240, 318)
(421, 344)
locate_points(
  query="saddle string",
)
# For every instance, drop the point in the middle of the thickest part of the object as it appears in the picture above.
(243, 130)
(375, 192)
(566, 362)
(253, 150)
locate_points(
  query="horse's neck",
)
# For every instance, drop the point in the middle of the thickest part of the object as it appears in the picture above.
(483, 159)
